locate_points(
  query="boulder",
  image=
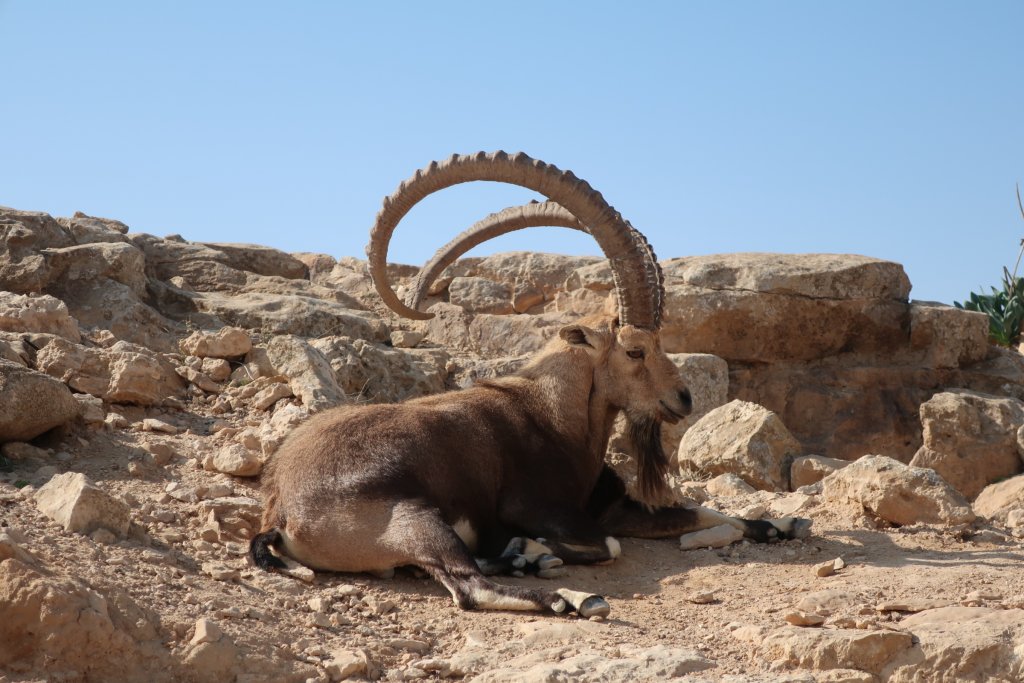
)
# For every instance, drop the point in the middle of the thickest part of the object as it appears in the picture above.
(961, 644)
(54, 625)
(948, 337)
(770, 307)
(997, 501)
(31, 403)
(309, 373)
(258, 259)
(741, 438)
(124, 373)
(83, 264)
(480, 295)
(707, 378)
(970, 439)
(78, 505)
(297, 314)
(22, 313)
(826, 649)
(105, 304)
(377, 373)
(492, 336)
(91, 229)
(897, 493)
(810, 469)
(227, 342)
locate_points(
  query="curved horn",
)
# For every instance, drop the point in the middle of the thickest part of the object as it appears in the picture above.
(532, 215)
(638, 279)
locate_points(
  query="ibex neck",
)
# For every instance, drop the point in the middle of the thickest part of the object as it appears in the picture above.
(575, 407)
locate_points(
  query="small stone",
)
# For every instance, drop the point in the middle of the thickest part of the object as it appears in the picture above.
(161, 453)
(115, 421)
(206, 632)
(405, 339)
(319, 604)
(79, 505)
(346, 664)
(380, 607)
(104, 536)
(701, 597)
(266, 398)
(408, 644)
(153, 425)
(825, 569)
(838, 563)
(221, 572)
(320, 620)
(798, 618)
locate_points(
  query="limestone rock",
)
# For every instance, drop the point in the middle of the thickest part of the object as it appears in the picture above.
(897, 493)
(998, 501)
(949, 337)
(824, 649)
(84, 264)
(266, 398)
(259, 259)
(377, 373)
(405, 339)
(80, 506)
(22, 313)
(961, 644)
(105, 304)
(234, 459)
(492, 336)
(206, 631)
(741, 438)
(728, 484)
(124, 373)
(309, 373)
(480, 295)
(298, 314)
(31, 403)
(345, 664)
(810, 469)
(765, 307)
(90, 229)
(55, 625)
(11, 547)
(970, 439)
(227, 342)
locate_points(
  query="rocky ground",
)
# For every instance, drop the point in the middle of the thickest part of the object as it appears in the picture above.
(145, 382)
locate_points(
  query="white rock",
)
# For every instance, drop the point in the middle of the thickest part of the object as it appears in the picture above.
(206, 631)
(80, 506)
(234, 459)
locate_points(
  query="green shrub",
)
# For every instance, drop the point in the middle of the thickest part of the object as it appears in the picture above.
(1004, 307)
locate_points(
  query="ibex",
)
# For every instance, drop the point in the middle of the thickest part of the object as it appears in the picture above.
(507, 476)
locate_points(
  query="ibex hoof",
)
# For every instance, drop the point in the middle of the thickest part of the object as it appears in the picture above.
(595, 606)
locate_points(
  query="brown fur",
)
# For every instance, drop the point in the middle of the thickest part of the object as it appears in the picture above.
(372, 487)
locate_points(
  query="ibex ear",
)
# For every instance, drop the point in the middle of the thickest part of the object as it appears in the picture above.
(578, 335)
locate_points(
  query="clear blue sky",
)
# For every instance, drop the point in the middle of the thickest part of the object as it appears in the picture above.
(892, 129)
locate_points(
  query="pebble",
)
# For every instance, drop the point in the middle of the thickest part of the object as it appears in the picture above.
(701, 597)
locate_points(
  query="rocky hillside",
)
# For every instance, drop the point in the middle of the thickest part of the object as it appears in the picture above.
(145, 381)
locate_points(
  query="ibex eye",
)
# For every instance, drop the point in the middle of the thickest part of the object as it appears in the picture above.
(635, 353)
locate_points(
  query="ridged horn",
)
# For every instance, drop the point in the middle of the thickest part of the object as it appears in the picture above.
(638, 279)
(532, 215)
